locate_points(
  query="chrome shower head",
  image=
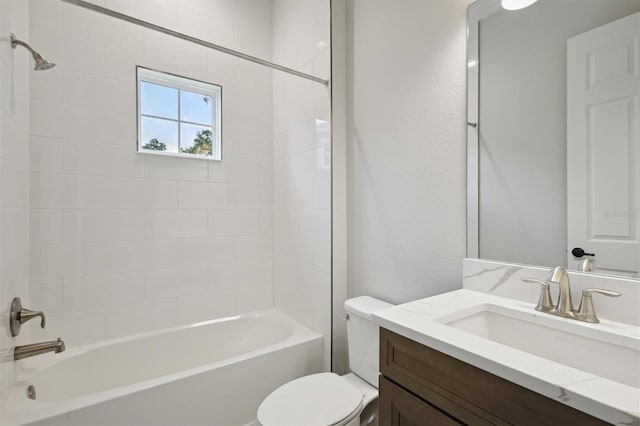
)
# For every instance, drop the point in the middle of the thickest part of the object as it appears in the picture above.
(41, 63)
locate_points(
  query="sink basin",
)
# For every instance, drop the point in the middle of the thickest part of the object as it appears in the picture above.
(602, 349)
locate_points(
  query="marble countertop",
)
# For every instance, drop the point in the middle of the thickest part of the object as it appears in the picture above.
(606, 399)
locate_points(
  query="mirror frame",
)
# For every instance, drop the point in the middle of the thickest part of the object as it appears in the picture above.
(476, 11)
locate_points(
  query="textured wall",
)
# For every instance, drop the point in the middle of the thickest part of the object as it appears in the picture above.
(406, 136)
(14, 223)
(123, 242)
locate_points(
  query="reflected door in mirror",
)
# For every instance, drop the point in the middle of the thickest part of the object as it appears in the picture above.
(603, 146)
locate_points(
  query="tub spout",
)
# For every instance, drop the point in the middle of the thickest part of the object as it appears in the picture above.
(27, 351)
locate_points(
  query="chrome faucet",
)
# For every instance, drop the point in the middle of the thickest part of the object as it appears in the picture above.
(18, 316)
(587, 265)
(27, 351)
(564, 308)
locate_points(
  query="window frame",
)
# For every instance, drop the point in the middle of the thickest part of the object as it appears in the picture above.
(180, 83)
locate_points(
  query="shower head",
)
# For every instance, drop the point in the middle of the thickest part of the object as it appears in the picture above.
(41, 63)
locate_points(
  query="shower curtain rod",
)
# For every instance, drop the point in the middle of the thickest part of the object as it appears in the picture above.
(123, 17)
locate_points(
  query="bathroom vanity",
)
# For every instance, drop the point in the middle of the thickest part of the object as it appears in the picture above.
(467, 357)
(420, 383)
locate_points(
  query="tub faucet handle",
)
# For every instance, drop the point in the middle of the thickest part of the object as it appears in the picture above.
(28, 314)
(20, 315)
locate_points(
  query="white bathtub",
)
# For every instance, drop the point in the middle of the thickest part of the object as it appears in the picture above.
(211, 373)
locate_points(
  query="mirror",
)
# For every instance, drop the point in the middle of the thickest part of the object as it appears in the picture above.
(553, 134)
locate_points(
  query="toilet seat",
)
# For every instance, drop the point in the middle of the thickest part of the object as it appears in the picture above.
(323, 399)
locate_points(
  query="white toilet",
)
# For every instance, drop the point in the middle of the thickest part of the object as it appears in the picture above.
(326, 399)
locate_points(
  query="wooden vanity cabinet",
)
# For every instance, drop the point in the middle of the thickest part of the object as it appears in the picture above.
(421, 386)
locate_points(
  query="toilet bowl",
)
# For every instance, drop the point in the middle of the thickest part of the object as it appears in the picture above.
(327, 399)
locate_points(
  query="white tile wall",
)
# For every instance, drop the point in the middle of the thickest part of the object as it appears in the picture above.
(301, 172)
(14, 163)
(123, 242)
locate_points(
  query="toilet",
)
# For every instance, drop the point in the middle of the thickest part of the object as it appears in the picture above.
(327, 399)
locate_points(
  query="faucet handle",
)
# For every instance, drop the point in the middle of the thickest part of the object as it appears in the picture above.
(20, 315)
(589, 291)
(586, 311)
(28, 314)
(545, 304)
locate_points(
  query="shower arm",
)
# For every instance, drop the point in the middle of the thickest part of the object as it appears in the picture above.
(15, 42)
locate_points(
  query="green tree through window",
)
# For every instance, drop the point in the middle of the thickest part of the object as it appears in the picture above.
(155, 145)
(202, 144)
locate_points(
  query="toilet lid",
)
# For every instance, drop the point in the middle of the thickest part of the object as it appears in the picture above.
(319, 399)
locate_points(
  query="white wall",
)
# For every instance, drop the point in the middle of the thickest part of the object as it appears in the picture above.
(523, 126)
(14, 223)
(123, 242)
(302, 165)
(406, 135)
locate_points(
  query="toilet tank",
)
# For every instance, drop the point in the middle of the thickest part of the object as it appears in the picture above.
(363, 337)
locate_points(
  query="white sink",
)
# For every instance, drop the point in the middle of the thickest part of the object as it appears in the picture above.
(586, 347)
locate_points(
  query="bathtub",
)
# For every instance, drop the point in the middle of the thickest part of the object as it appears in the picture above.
(211, 373)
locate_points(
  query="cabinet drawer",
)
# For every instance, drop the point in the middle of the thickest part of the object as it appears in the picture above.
(400, 408)
(468, 393)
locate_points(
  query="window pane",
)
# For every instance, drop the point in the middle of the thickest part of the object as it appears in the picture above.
(196, 140)
(158, 100)
(195, 107)
(159, 135)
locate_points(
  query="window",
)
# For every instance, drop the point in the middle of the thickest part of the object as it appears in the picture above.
(178, 116)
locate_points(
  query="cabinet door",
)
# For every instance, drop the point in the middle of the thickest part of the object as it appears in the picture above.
(469, 394)
(401, 408)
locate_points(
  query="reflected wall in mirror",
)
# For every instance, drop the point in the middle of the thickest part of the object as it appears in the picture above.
(554, 134)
